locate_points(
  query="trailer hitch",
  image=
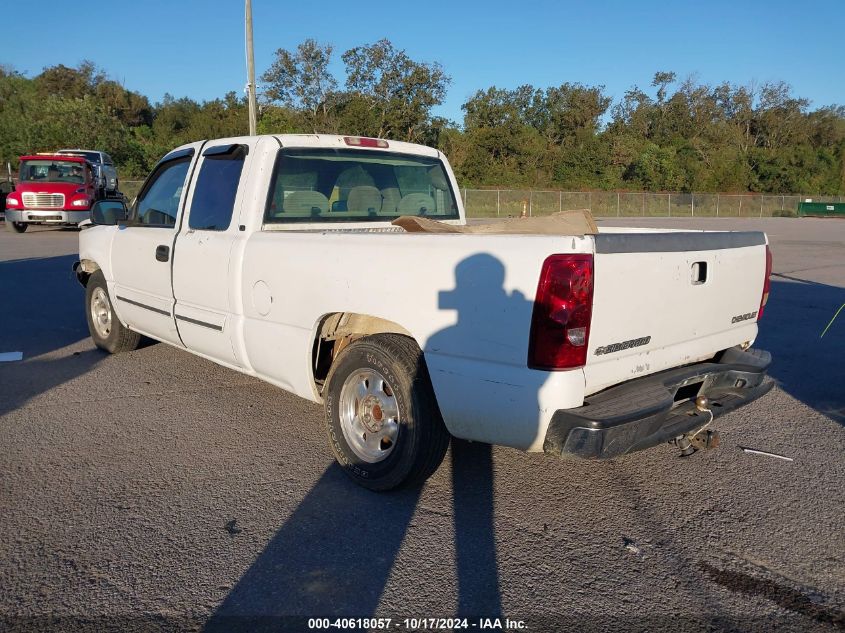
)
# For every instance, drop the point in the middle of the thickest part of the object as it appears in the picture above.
(703, 437)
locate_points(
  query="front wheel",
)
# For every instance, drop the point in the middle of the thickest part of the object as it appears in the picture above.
(106, 330)
(382, 419)
(16, 227)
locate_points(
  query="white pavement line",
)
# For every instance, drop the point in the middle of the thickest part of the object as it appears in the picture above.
(6, 357)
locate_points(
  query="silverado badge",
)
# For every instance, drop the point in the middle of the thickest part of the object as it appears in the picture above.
(618, 347)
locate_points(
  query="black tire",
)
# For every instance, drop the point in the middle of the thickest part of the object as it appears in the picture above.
(16, 227)
(120, 338)
(422, 437)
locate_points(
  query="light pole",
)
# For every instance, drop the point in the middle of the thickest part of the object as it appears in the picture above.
(250, 69)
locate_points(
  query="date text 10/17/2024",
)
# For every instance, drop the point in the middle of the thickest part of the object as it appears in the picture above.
(418, 624)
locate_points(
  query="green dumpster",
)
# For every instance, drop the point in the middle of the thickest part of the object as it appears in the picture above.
(836, 209)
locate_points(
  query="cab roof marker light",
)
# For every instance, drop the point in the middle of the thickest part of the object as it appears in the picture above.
(363, 141)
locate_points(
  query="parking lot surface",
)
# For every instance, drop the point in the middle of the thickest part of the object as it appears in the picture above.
(155, 490)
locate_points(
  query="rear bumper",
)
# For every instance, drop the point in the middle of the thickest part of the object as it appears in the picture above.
(47, 216)
(644, 412)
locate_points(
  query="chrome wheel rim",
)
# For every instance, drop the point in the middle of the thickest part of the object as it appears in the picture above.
(369, 415)
(101, 312)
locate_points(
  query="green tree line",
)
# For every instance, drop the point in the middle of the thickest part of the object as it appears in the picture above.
(674, 135)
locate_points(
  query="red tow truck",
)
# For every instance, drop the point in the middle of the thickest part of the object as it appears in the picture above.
(54, 189)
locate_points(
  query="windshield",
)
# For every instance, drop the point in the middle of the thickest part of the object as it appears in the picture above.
(52, 171)
(345, 185)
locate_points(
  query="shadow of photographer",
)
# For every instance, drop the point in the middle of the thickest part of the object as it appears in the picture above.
(334, 556)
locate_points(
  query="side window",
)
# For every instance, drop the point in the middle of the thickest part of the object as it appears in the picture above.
(107, 159)
(158, 203)
(217, 185)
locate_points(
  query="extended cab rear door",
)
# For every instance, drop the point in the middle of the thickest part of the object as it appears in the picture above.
(142, 250)
(204, 278)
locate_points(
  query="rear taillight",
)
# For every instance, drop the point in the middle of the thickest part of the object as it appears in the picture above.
(766, 282)
(560, 325)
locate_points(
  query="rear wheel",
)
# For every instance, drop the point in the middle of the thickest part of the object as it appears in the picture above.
(382, 418)
(16, 227)
(106, 330)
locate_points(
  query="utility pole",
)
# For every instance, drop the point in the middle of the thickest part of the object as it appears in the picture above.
(250, 69)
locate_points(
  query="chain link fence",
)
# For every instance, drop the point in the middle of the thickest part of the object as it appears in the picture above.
(492, 203)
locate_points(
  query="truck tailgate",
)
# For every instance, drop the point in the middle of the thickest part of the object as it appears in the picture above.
(666, 299)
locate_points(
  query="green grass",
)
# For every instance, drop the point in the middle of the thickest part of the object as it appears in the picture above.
(130, 188)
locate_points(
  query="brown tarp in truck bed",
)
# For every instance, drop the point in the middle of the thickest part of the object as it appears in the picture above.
(577, 222)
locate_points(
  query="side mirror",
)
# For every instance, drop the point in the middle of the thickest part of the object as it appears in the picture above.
(108, 212)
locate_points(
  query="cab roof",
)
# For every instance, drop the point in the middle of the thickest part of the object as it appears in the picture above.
(330, 141)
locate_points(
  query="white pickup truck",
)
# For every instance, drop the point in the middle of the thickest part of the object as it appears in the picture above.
(276, 256)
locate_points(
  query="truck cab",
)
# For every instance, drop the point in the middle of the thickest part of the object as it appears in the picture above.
(52, 189)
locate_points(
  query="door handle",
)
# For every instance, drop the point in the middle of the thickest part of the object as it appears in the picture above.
(162, 253)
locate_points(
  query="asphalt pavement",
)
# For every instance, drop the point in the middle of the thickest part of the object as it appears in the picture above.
(155, 490)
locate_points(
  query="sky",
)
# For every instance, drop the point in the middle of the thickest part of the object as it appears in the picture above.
(195, 48)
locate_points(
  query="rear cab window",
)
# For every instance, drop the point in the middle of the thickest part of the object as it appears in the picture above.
(352, 185)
